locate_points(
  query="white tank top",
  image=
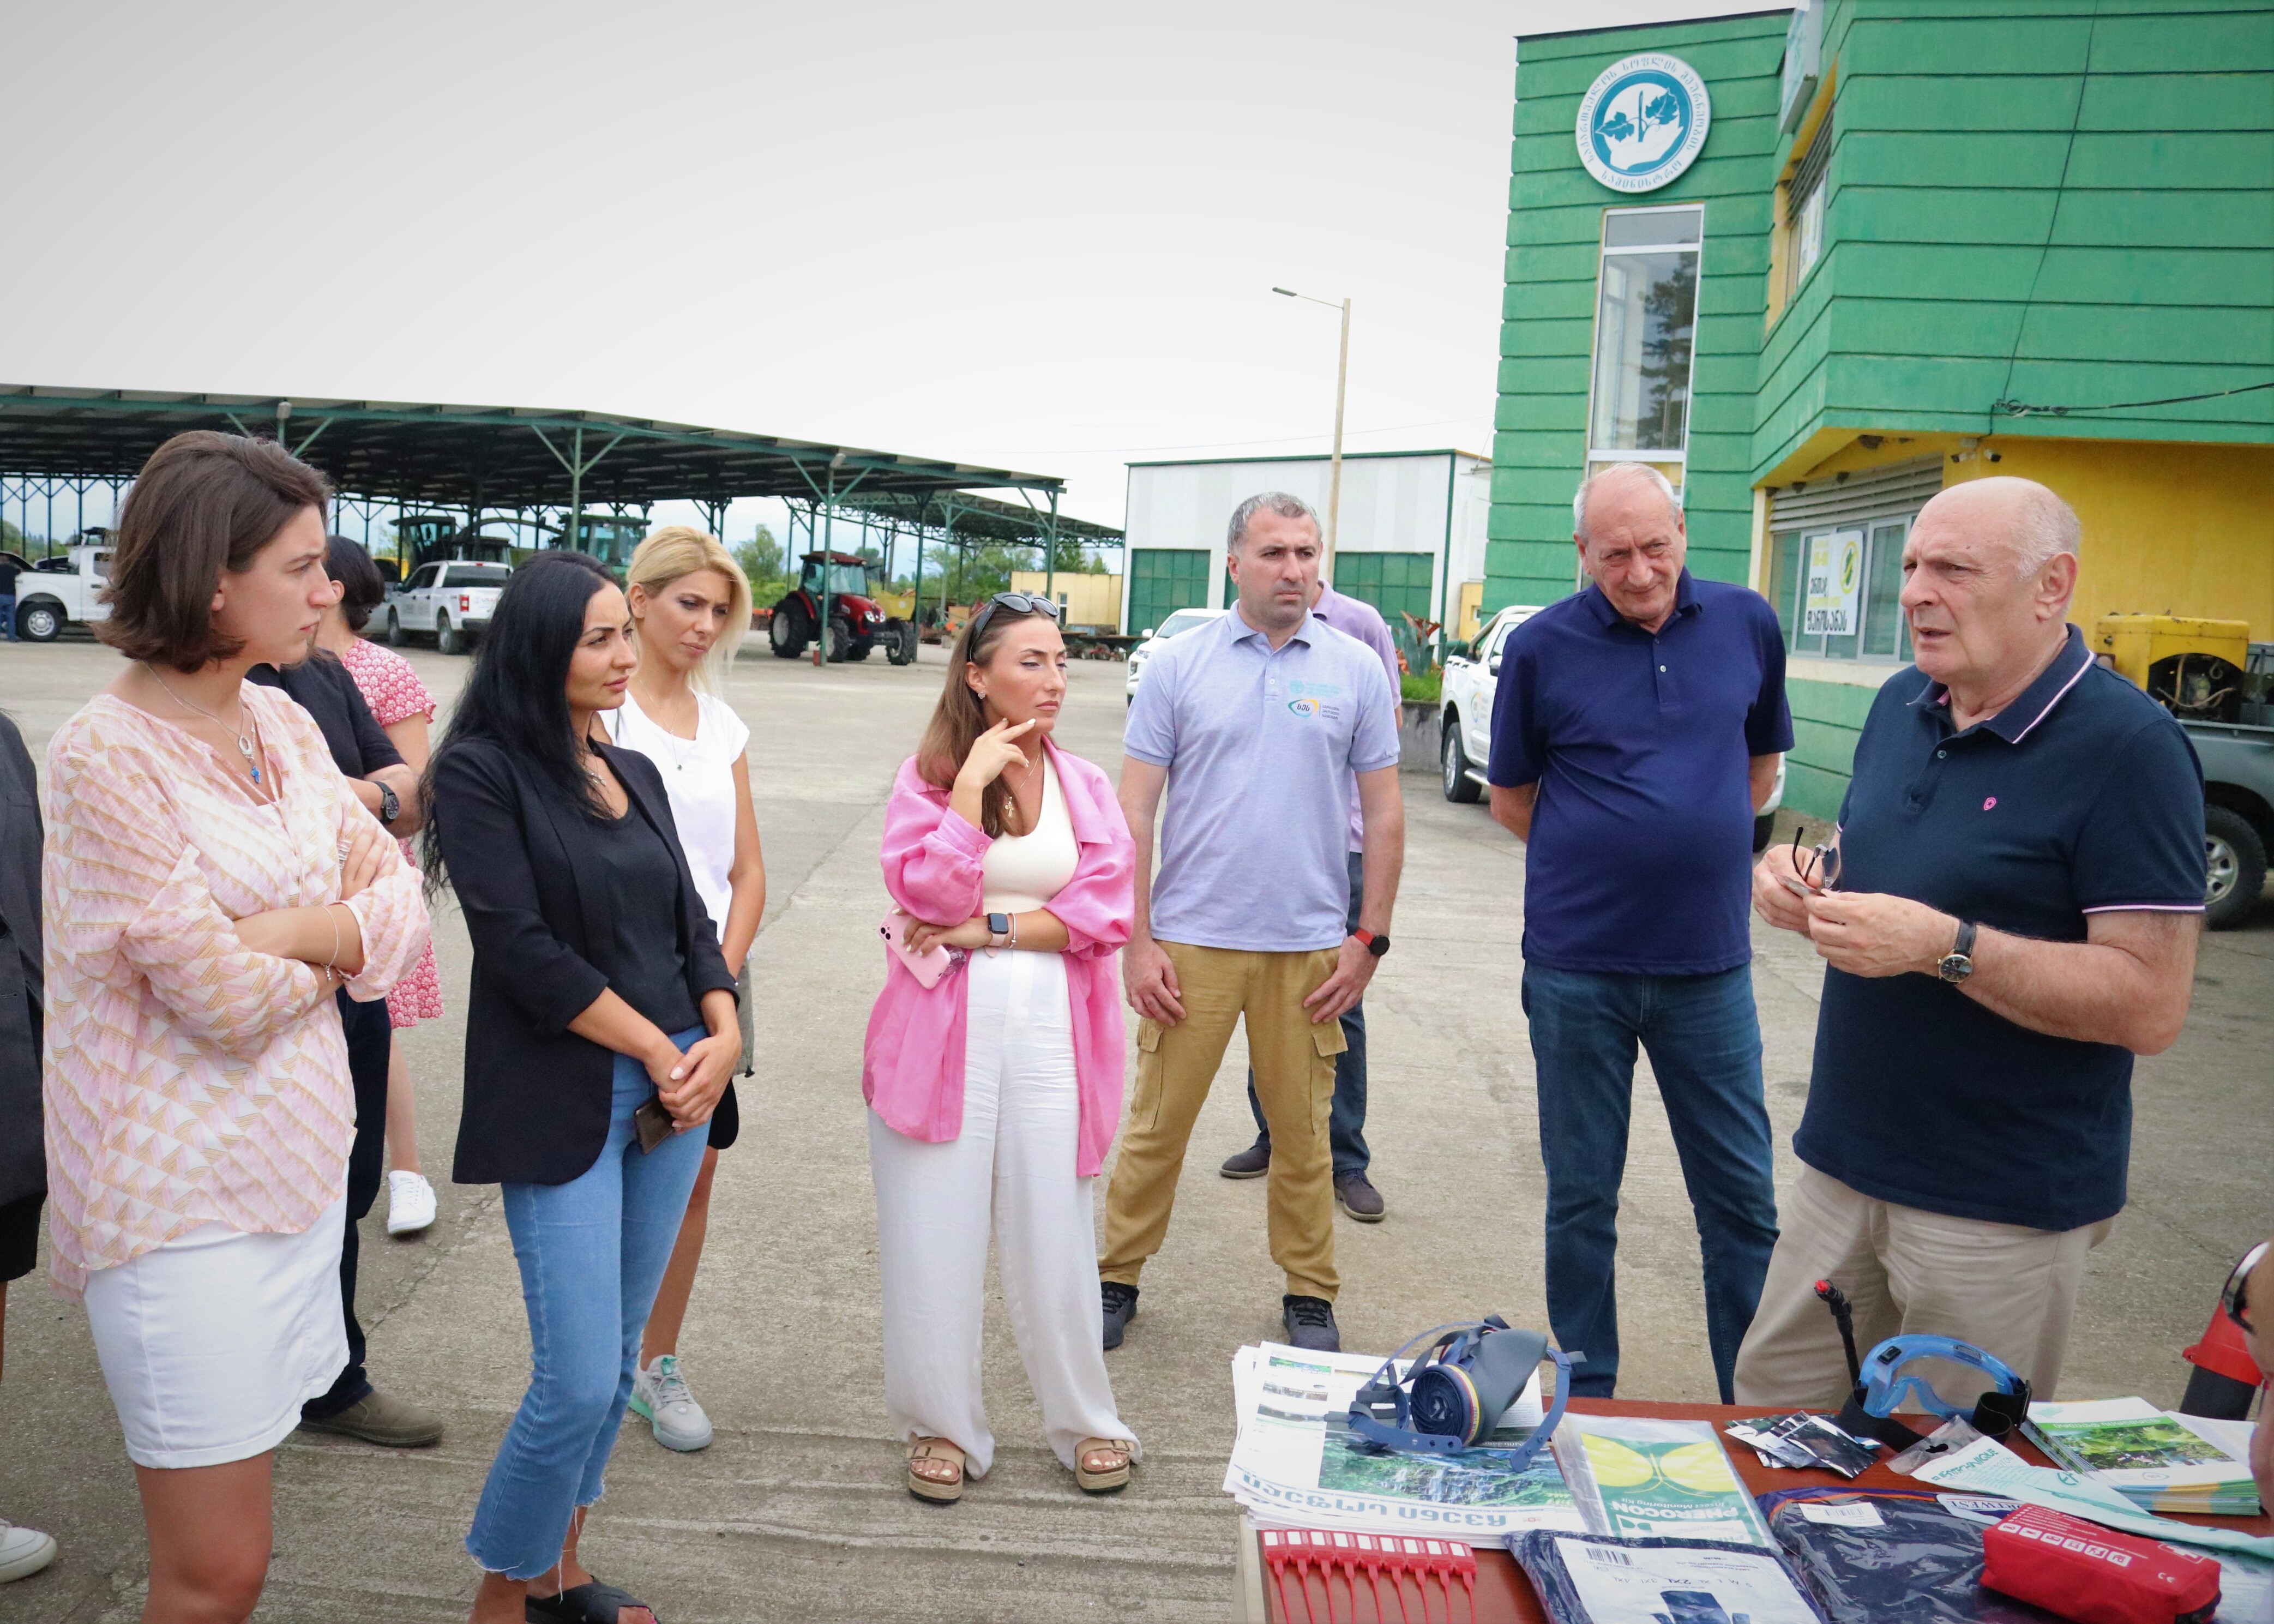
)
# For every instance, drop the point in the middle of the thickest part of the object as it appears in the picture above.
(1023, 872)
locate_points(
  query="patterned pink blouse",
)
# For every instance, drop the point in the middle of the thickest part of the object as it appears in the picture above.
(393, 691)
(188, 1079)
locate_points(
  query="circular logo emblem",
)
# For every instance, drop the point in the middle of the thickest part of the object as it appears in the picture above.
(1642, 122)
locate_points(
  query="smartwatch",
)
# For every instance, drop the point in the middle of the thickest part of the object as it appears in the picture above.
(1375, 944)
(1956, 964)
(998, 926)
(390, 804)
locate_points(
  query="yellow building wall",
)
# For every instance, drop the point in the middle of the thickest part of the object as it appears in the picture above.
(2168, 529)
(1090, 600)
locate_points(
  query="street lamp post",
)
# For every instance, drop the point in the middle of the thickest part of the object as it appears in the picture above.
(1334, 464)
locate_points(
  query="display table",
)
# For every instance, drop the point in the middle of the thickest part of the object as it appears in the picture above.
(1505, 1594)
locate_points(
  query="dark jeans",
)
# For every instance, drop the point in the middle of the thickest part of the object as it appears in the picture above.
(370, 1040)
(1705, 1044)
(1346, 1124)
(8, 616)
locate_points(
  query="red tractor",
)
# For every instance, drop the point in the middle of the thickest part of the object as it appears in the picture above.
(856, 623)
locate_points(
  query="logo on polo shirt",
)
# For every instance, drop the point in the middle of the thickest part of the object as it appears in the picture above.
(1310, 699)
(1991, 802)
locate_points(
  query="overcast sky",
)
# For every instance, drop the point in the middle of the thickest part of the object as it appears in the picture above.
(1035, 236)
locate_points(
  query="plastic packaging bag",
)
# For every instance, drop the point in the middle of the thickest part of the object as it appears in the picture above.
(1595, 1579)
(1911, 1554)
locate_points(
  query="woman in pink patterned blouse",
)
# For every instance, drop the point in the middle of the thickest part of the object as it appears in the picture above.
(209, 880)
(405, 711)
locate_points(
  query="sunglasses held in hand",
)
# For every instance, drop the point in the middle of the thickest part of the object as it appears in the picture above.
(1818, 871)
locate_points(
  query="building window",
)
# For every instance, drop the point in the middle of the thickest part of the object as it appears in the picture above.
(1838, 589)
(1804, 196)
(1645, 319)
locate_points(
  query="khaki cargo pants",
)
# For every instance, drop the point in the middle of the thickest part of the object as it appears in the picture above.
(1294, 1060)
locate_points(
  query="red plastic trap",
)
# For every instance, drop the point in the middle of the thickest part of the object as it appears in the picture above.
(1324, 1558)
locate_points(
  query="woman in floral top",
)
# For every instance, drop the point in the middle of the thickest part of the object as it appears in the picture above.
(209, 881)
(405, 711)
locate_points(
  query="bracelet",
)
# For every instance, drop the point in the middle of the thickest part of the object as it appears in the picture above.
(1014, 930)
(331, 965)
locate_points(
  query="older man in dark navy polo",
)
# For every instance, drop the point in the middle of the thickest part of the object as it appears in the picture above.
(1637, 729)
(2011, 915)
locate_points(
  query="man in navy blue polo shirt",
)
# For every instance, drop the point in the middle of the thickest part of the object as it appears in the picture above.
(1635, 730)
(2009, 917)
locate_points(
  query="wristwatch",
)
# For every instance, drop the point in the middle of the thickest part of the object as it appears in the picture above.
(999, 928)
(1375, 944)
(390, 804)
(1956, 964)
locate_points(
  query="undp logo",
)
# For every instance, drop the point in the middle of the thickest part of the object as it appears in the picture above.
(1642, 122)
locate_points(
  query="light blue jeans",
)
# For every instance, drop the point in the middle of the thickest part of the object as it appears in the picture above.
(592, 1253)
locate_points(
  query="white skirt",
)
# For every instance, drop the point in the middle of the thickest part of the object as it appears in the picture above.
(212, 1343)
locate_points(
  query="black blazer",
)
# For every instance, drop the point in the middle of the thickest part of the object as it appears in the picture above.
(537, 1095)
(23, 1158)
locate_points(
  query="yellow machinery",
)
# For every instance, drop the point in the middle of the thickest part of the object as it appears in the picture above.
(2195, 667)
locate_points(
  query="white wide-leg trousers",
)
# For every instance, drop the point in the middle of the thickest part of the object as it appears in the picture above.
(1012, 1169)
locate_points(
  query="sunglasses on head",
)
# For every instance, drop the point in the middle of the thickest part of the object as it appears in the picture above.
(1017, 603)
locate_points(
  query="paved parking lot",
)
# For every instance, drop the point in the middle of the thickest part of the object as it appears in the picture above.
(796, 1512)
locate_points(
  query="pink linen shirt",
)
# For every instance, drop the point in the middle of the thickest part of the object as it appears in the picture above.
(188, 1079)
(912, 1059)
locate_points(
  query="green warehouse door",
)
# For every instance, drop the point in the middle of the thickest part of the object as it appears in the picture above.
(1396, 583)
(1161, 580)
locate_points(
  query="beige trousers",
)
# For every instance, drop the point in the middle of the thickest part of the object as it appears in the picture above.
(1294, 1060)
(2007, 1289)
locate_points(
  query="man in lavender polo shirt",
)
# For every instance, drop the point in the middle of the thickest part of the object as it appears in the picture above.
(1354, 1193)
(1257, 725)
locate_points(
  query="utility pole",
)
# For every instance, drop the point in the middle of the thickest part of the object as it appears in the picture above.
(1335, 463)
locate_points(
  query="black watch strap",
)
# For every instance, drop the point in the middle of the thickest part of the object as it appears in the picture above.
(1964, 945)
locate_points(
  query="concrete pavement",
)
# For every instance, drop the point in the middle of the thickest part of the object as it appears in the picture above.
(796, 1512)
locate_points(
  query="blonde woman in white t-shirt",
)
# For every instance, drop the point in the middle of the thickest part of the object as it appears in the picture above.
(690, 606)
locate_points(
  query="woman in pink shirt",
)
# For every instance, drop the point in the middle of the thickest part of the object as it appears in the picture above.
(210, 880)
(995, 1090)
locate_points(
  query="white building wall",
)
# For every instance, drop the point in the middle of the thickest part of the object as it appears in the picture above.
(1389, 504)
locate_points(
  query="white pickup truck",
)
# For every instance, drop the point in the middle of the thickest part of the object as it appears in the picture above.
(1472, 676)
(59, 590)
(450, 600)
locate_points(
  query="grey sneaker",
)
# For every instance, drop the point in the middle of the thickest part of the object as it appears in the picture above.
(23, 1551)
(660, 1397)
(376, 1418)
(1120, 1304)
(1310, 1322)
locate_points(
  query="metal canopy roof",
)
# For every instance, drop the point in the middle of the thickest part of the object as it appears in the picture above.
(974, 518)
(489, 457)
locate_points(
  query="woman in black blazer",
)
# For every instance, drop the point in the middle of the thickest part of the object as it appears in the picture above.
(598, 1041)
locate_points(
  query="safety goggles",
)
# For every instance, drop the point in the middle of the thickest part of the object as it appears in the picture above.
(2232, 1297)
(1017, 603)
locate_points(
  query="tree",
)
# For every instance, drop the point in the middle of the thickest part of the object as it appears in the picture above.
(761, 559)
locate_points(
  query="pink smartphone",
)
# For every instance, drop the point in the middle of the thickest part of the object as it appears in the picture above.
(927, 967)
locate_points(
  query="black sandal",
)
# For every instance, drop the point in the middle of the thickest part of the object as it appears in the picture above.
(591, 1603)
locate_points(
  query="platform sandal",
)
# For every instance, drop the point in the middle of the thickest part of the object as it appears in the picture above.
(1111, 1469)
(591, 1603)
(926, 1458)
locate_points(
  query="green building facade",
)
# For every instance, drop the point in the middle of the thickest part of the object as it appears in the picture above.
(1923, 241)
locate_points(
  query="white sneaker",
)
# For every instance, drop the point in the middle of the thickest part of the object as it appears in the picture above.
(23, 1551)
(660, 1396)
(409, 1202)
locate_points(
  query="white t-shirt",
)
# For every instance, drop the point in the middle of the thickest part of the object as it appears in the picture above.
(1021, 873)
(698, 775)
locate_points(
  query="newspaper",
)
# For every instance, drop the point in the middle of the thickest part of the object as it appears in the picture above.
(1296, 1462)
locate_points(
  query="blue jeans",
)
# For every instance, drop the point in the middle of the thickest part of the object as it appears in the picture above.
(1347, 1121)
(8, 616)
(592, 1253)
(1705, 1044)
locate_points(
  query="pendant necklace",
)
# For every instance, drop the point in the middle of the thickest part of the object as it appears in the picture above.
(243, 744)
